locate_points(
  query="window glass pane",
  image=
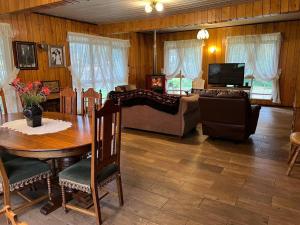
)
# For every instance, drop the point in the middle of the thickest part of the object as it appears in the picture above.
(261, 89)
(173, 85)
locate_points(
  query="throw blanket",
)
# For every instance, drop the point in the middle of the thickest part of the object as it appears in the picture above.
(161, 102)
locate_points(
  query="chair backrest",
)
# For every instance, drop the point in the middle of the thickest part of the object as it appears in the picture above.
(2, 98)
(106, 139)
(68, 101)
(88, 100)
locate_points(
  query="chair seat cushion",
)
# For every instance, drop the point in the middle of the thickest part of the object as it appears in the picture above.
(24, 171)
(6, 156)
(78, 176)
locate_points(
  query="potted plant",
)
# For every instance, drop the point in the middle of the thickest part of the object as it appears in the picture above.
(32, 95)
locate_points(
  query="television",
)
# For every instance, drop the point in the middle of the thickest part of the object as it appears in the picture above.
(226, 74)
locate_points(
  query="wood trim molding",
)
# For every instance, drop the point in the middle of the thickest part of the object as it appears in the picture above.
(252, 9)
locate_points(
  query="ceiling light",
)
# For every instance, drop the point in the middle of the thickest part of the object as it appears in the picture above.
(159, 7)
(148, 8)
(154, 4)
(203, 34)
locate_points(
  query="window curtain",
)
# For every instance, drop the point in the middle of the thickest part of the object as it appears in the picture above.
(261, 54)
(8, 72)
(98, 62)
(183, 57)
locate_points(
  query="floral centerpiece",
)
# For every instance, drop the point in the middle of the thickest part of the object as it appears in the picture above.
(32, 95)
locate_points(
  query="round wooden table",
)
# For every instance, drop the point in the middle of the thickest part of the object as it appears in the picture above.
(68, 144)
(72, 142)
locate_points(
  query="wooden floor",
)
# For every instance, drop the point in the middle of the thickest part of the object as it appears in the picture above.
(198, 181)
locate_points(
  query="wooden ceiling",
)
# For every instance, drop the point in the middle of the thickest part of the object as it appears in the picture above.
(109, 11)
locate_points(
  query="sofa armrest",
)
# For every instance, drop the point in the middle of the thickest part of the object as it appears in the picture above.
(189, 103)
(254, 115)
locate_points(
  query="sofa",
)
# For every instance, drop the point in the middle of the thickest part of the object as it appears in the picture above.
(227, 114)
(150, 111)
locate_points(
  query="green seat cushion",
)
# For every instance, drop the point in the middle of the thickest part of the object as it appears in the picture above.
(21, 169)
(6, 156)
(80, 173)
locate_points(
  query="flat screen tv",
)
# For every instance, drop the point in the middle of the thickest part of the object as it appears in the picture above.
(226, 74)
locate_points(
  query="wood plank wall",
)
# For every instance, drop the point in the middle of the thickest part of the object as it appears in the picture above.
(50, 30)
(9, 6)
(289, 59)
(241, 11)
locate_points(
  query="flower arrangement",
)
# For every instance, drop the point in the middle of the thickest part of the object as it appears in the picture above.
(32, 93)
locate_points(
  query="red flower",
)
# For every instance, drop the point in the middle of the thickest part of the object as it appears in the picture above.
(16, 81)
(25, 90)
(30, 86)
(46, 90)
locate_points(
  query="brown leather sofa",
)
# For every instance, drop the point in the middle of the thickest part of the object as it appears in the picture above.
(227, 114)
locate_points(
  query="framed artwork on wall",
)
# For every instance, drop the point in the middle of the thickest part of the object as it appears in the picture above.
(56, 55)
(25, 55)
(53, 85)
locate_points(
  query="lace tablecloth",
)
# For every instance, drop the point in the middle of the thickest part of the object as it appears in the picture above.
(48, 126)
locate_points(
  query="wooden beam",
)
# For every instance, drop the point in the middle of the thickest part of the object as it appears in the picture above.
(12, 6)
(241, 11)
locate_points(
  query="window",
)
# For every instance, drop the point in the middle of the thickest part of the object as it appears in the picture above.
(175, 87)
(261, 54)
(98, 62)
(183, 64)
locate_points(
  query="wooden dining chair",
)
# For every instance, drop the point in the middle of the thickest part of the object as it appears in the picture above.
(88, 99)
(11, 216)
(68, 101)
(3, 102)
(91, 175)
(16, 174)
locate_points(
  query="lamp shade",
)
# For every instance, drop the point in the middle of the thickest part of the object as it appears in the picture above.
(203, 34)
(159, 7)
(148, 8)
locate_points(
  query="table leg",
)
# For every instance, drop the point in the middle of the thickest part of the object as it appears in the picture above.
(56, 200)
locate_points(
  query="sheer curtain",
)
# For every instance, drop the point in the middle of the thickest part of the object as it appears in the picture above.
(98, 62)
(183, 56)
(261, 54)
(8, 72)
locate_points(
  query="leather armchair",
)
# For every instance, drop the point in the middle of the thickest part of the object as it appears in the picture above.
(227, 114)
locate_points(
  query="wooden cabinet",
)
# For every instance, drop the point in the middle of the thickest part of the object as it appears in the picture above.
(156, 83)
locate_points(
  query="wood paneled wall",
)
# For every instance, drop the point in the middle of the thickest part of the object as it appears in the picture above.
(9, 6)
(50, 30)
(242, 11)
(289, 59)
(140, 61)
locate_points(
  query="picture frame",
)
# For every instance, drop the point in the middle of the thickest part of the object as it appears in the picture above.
(56, 56)
(53, 85)
(25, 54)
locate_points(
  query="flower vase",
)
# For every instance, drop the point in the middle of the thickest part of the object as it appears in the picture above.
(33, 115)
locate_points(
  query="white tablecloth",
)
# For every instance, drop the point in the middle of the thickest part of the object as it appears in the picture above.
(48, 126)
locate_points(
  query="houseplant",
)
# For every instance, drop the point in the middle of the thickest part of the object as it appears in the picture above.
(32, 95)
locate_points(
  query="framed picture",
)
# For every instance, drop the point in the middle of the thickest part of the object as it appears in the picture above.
(56, 55)
(25, 55)
(53, 85)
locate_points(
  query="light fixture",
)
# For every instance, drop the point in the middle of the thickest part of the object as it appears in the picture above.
(154, 4)
(203, 34)
(148, 8)
(159, 7)
(213, 49)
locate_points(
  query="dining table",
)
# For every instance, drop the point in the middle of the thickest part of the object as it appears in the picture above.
(66, 146)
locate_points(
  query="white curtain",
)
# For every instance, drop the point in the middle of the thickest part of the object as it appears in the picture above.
(8, 72)
(261, 54)
(183, 57)
(98, 62)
